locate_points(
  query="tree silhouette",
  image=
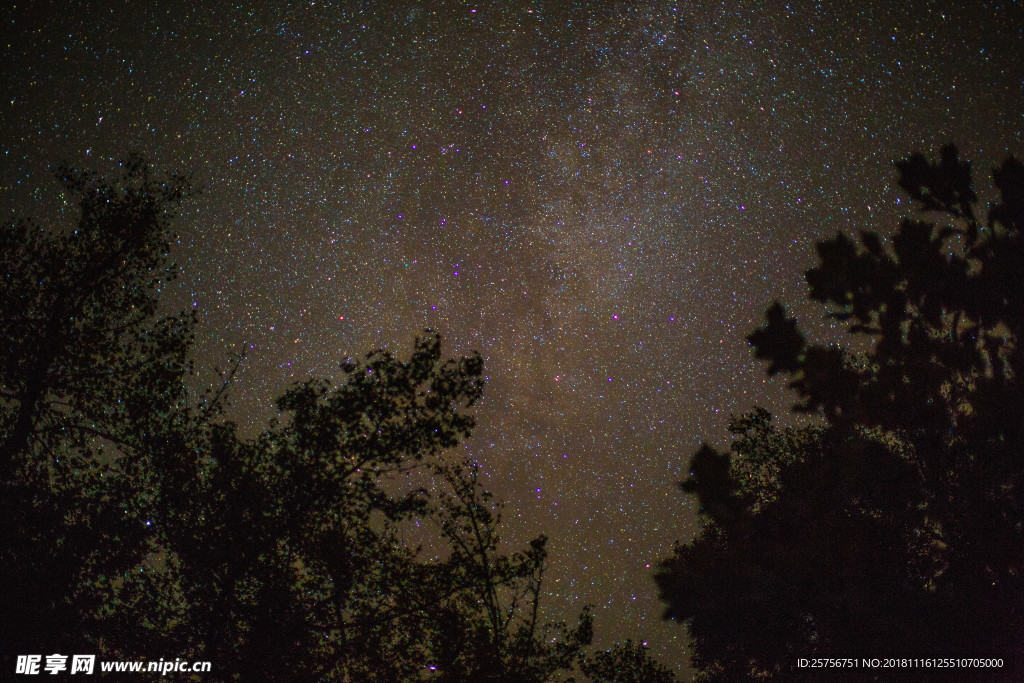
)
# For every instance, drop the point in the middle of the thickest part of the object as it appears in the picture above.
(895, 529)
(626, 663)
(138, 522)
(285, 551)
(89, 376)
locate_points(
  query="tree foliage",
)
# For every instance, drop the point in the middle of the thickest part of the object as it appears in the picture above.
(895, 529)
(138, 522)
(90, 378)
(626, 663)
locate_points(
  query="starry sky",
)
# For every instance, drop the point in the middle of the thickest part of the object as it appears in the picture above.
(602, 198)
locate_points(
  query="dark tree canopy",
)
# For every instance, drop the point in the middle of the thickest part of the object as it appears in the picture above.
(90, 377)
(896, 528)
(626, 663)
(137, 521)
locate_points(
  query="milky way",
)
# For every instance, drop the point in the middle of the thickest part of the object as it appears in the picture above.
(601, 198)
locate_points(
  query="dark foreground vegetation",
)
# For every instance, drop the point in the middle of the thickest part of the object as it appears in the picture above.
(895, 527)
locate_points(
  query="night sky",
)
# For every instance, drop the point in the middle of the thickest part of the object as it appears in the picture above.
(602, 198)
